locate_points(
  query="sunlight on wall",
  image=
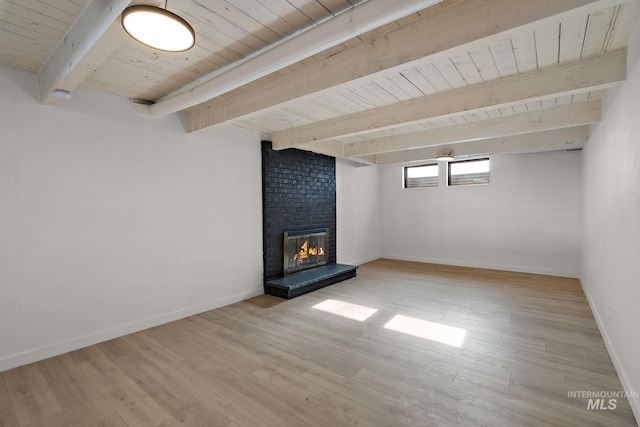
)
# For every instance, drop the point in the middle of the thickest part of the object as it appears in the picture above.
(346, 309)
(432, 331)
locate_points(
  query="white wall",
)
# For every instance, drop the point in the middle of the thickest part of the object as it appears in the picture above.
(358, 213)
(611, 235)
(527, 219)
(111, 222)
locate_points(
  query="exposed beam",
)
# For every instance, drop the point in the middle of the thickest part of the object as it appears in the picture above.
(88, 41)
(358, 20)
(573, 137)
(334, 149)
(451, 30)
(329, 148)
(592, 73)
(582, 113)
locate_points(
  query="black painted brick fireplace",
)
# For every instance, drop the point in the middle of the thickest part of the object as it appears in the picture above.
(298, 193)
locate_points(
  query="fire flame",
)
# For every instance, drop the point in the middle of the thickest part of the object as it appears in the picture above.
(306, 251)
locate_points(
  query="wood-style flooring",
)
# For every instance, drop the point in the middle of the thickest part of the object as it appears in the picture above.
(403, 344)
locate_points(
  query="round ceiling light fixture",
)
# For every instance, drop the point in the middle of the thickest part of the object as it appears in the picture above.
(445, 157)
(158, 28)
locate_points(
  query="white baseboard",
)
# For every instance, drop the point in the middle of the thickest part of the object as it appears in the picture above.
(503, 267)
(634, 399)
(56, 349)
(360, 261)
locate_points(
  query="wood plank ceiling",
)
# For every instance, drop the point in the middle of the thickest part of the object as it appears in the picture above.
(466, 76)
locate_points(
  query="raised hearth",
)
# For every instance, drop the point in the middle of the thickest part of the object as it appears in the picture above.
(309, 280)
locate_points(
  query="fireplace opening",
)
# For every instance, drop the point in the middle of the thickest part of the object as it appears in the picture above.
(305, 249)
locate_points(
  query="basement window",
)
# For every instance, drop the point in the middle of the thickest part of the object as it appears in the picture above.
(421, 176)
(468, 172)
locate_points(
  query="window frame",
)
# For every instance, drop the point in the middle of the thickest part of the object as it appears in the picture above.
(405, 176)
(449, 163)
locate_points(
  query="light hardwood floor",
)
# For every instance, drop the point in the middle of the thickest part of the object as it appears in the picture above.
(402, 344)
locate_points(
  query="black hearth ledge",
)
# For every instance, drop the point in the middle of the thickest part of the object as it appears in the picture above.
(309, 280)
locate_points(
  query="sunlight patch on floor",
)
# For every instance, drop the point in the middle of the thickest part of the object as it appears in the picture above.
(432, 331)
(346, 309)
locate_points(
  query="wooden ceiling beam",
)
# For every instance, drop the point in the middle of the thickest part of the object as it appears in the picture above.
(451, 30)
(557, 139)
(588, 74)
(89, 40)
(582, 113)
(329, 148)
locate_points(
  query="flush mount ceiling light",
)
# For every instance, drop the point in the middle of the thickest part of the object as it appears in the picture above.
(158, 28)
(445, 157)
